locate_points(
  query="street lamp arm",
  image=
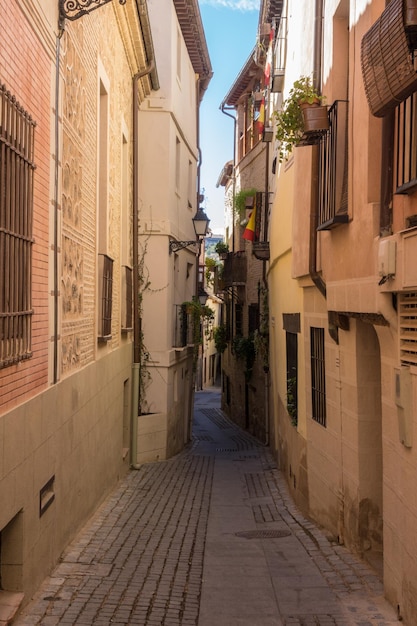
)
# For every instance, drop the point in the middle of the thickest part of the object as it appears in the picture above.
(175, 246)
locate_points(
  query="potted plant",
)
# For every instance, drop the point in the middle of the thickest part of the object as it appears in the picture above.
(244, 200)
(222, 249)
(303, 111)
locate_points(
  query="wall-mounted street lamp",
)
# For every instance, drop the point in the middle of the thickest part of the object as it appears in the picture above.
(202, 295)
(73, 9)
(200, 223)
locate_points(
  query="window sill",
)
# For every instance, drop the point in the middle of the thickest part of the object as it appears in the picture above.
(335, 221)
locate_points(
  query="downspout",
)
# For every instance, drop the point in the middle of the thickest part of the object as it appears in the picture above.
(317, 64)
(56, 187)
(137, 320)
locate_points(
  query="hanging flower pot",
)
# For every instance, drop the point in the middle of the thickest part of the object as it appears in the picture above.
(315, 117)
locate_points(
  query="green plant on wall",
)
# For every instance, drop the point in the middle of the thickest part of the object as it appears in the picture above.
(244, 350)
(144, 285)
(261, 335)
(289, 122)
(239, 204)
(210, 268)
(221, 247)
(292, 400)
(202, 317)
(220, 338)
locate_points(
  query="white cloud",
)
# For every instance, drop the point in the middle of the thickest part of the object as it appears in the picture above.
(236, 5)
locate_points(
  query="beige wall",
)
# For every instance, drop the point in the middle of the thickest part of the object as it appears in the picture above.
(72, 433)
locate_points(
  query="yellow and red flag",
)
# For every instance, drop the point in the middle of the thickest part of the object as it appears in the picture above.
(249, 233)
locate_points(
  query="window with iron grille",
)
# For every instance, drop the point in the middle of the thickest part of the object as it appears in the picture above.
(406, 145)
(127, 298)
(318, 375)
(408, 328)
(333, 169)
(105, 296)
(291, 340)
(17, 131)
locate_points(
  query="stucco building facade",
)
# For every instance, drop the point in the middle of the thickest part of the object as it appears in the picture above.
(168, 195)
(341, 278)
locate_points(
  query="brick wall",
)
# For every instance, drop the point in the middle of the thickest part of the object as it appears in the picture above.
(25, 70)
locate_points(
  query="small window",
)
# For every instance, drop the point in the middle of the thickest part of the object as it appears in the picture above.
(17, 132)
(291, 340)
(318, 375)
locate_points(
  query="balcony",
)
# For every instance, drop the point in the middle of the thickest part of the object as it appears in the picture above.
(235, 269)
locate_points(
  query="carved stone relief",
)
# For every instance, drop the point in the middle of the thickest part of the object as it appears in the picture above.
(74, 104)
(71, 352)
(72, 279)
(71, 184)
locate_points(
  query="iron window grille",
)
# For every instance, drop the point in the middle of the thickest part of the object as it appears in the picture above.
(405, 151)
(318, 376)
(17, 132)
(291, 343)
(333, 169)
(105, 296)
(183, 328)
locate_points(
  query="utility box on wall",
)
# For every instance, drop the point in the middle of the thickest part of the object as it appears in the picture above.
(387, 257)
(404, 402)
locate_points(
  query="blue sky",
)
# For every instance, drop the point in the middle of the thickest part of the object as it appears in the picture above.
(230, 27)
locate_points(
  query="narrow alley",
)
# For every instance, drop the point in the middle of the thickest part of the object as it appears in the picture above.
(208, 538)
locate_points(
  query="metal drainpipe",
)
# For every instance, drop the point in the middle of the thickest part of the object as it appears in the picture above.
(56, 187)
(137, 321)
(318, 34)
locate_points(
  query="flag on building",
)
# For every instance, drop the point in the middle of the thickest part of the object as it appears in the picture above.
(249, 233)
(269, 56)
(261, 117)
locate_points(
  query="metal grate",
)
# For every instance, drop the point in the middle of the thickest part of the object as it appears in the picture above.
(333, 172)
(17, 131)
(318, 376)
(408, 328)
(387, 66)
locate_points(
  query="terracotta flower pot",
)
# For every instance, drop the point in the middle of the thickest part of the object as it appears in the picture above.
(315, 118)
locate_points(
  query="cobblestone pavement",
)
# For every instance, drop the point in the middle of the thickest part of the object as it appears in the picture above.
(208, 538)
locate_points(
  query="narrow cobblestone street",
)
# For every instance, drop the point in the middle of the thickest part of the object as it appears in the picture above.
(208, 538)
